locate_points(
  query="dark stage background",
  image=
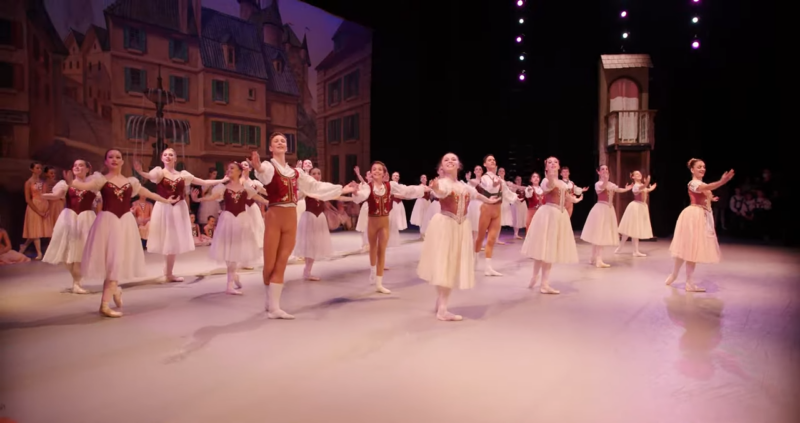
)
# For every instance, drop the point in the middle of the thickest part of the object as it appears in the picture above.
(445, 79)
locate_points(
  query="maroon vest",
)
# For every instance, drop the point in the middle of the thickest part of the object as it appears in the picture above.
(282, 189)
(380, 205)
(172, 188)
(79, 200)
(314, 206)
(235, 202)
(116, 200)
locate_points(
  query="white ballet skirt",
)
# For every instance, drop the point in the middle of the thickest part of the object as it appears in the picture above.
(301, 208)
(398, 214)
(234, 239)
(447, 257)
(550, 238)
(363, 215)
(506, 214)
(418, 212)
(601, 225)
(69, 233)
(208, 209)
(635, 222)
(434, 209)
(113, 248)
(474, 214)
(405, 191)
(257, 220)
(519, 214)
(313, 237)
(170, 229)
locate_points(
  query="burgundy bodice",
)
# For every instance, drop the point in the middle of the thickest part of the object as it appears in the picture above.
(249, 202)
(535, 201)
(640, 196)
(172, 188)
(521, 194)
(314, 206)
(282, 189)
(427, 196)
(380, 205)
(115, 199)
(455, 206)
(235, 202)
(603, 196)
(397, 200)
(553, 197)
(699, 199)
(79, 200)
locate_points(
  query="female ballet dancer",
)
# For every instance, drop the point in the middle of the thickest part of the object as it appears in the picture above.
(695, 240)
(378, 196)
(205, 209)
(113, 251)
(363, 212)
(7, 254)
(572, 189)
(434, 207)
(600, 228)
(506, 208)
(253, 205)
(234, 242)
(550, 239)
(398, 213)
(420, 205)
(447, 260)
(534, 196)
(170, 231)
(35, 226)
(491, 185)
(313, 234)
(635, 222)
(474, 211)
(56, 206)
(519, 212)
(282, 183)
(73, 225)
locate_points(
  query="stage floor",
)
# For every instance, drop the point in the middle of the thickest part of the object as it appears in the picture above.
(616, 346)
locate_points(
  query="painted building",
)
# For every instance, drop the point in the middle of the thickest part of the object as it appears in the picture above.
(343, 103)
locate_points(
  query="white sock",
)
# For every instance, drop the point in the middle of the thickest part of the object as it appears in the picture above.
(266, 297)
(275, 290)
(488, 263)
(373, 272)
(379, 285)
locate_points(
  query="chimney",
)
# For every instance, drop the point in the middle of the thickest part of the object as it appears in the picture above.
(183, 15)
(197, 8)
(247, 8)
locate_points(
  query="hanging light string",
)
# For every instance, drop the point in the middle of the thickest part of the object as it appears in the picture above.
(623, 17)
(695, 22)
(520, 38)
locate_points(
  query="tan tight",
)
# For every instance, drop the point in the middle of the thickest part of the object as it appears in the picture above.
(569, 206)
(490, 220)
(531, 212)
(378, 235)
(279, 238)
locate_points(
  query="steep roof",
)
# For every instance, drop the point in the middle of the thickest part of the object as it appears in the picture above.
(162, 13)
(281, 82)
(622, 61)
(352, 37)
(37, 14)
(268, 15)
(100, 34)
(78, 36)
(220, 29)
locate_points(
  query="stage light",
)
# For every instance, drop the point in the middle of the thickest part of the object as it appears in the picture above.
(696, 45)
(522, 77)
(695, 19)
(519, 39)
(521, 21)
(623, 14)
(624, 35)
(521, 57)
(696, 1)
(519, 3)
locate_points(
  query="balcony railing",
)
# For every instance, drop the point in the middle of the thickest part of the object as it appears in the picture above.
(631, 127)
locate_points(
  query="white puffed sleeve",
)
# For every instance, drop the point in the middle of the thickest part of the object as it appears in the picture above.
(96, 180)
(638, 188)
(612, 187)
(577, 190)
(362, 194)
(406, 191)
(598, 187)
(445, 187)
(528, 191)
(266, 173)
(155, 175)
(135, 186)
(218, 191)
(545, 185)
(313, 188)
(473, 193)
(508, 195)
(60, 190)
(250, 191)
(695, 185)
(187, 177)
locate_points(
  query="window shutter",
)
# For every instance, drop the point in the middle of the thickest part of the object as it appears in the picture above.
(184, 51)
(143, 40)
(246, 129)
(214, 131)
(125, 42)
(226, 132)
(226, 91)
(127, 79)
(356, 126)
(171, 48)
(258, 137)
(172, 83)
(186, 88)
(19, 78)
(19, 35)
(144, 79)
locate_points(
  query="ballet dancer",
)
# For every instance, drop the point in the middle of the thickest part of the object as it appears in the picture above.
(534, 196)
(695, 240)
(73, 225)
(113, 249)
(313, 234)
(420, 205)
(35, 227)
(572, 189)
(600, 228)
(283, 183)
(433, 209)
(170, 231)
(378, 196)
(363, 212)
(519, 211)
(550, 239)
(447, 259)
(635, 222)
(234, 242)
(398, 214)
(253, 205)
(506, 207)
(200, 239)
(491, 185)
(474, 212)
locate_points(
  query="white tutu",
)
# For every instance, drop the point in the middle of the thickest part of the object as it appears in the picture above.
(418, 212)
(474, 214)
(432, 211)
(601, 226)
(519, 213)
(394, 232)
(208, 209)
(398, 214)
(447, 254)
(170, 229)
(635, 222)
(69, 237)
(550, 238)
(113, 249)
(301, 208)
(363, 217)
(313, 237)
(506, 214)
(256, 223)
(234, 240)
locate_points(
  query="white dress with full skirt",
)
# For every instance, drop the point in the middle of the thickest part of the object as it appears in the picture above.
(254, 212)
(418, 212)
(601, 225)
(234, 239)
(313, 237)
(695, 239)
(447, 257)
(432, 211)
(170, 230)
(398, 213)
(70, 231)
(550, 237)
(635, 222)
(113, 248)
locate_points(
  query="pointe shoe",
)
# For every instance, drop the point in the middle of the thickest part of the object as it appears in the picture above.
(691, 287)
(248, 268)
(236, 281)
(545, 289)
(618, 251)
(38, 256)
(118, 298)
(279, 314)
(106, 311)
(173, 278)
(518, 237)
(311, 278)
(446, 316)
(233, 291)
(638, 254)
(76, 289)
(601, 265)
(491, 272)
(670, 280)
